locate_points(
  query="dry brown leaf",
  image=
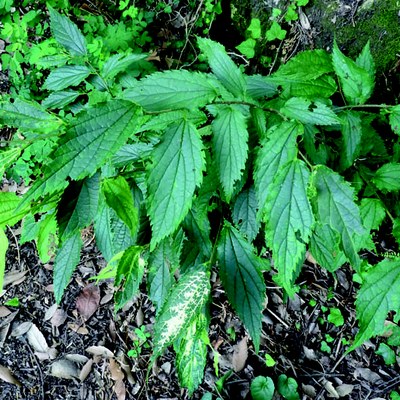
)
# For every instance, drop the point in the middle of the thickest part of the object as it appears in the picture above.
(344, 389)
(64, 369)
(85, 371)
(82, 330)
(7, 376)
(88, 301)
(4, 311)
(240, 354)
(100, 351)
(14, 277)
(331, 390)
(58, 318)
(50, 312)
(37, 340)
(120, 390)
(77, 358)
(21, 329)
(116, 372)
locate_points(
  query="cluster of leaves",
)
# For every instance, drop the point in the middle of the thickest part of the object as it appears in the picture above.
(183, 171)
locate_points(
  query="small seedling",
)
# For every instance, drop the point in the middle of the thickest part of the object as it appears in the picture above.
(269, 361)
(142, 342)
(335, 317)
(14, 302)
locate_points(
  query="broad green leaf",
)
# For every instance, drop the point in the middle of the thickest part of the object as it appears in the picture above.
(119, 197)
(129, 275)
(67, 258)
(230, 138)
(365, 60)
(130, 153)
(63, 77)
(259, 86)
(352, 134)
(394, 119)
(254, 29)
(308, 112)
(60, 99)
(289, 219)
(181, 308)
(118, 63)
(372, 213)
(191, 353)
(95, 136)
(47, 237)
(388, 177)
(388, 354)
(223, 67)
(247, 47)
(277, 148)
(379, 294)
(30, 229)
(241, 275)
(173, 89)
(325, 247)
(7, 157)
(178, 163)
(8, 209)
(244, 214)
(275, 32)
(262, 388)
(28, 116)
(287, 388)
(357, 84)
(335, 206)
(3, 251)
(67, 33)
(322, 87)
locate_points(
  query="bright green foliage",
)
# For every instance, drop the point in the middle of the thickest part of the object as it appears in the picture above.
(365, 60)
(47, 239)
(259, 86)
(394, 119)
(117, 63)
(66, 260)
(60, 99)
(352, 134)
(335, 317)
(3, 251)
(388, 177)
(241, 276)
(287, 388)
(7, 157)
(275, 32)
(63, 77)
(9, 214)
(372, 213)
(262, 388)
(388, 355)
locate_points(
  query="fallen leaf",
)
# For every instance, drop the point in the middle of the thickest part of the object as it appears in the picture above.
(116, 372)
(100, 351)
(77, 358)
(50, 312)
(58, 318)
(14, 277)
(240, 354)
(4, 311)
(7, 376)
(78, 329)
(331, 390)
(88, 301)
(344, 389)
(64, 369)
(309, 390)
(367, 374)
(120, 390)
(21, 329)
(37, 340)
(85, 371)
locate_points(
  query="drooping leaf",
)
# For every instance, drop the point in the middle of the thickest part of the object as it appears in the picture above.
(95, 136)
(118, 63)
(3, 251)
(388, 177)
(67, 33)
(241, 275)
(308, 112)
(67, 258)
(63, 77)
(230, 145)
(223, 67)
(259, 86)
(394, 119)
(277, 148)
(9, 215)
(365, 60)
(47, 237)
(262, 388)
(129, 275)
(378, 295)
(335, 206)
(172, 90)
(60, 99)
(352, 134)
(289, 219)
(181, 308)
(178, 162)
(372, 213)
(245, 214)
(357, 84)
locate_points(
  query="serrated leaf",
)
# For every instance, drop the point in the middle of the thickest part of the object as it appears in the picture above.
(335, 206)
(372, 213)
(259, 86)
(118, 63)
(29, 230)
(7, 157)
(365, 60)
(241, 275)
(322, 87)
(277, 148)
(230, 138)
(28, 116)
(130, 153)
(63, 77)
(388, 177)
(179, 310)
(325, 247)
(308, 112)
(3, 251)
(378, 295)
(357, 84)
(173, 89)
(223, 67)
(9, 215)
(67, 33)
(60, 99)
(394, 119)
(129, 275)
(289, 220)
(94, 136)
(352, 134)
(47, 237)
(244, 214)
(178, 162)
(67, 258)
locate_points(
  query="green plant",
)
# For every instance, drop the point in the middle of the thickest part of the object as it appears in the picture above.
(141, 342)
(182, 172)
(287, 388)
(14, 302)
(262, 388)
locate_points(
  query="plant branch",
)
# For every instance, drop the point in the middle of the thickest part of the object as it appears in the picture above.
(362, 106)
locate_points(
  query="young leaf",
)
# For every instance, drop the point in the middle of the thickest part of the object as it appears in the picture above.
(352, 134)
(275, 32)
(335, 206)
(9, 202)
(388, 177)
(118, 63)
(230, 146)
(378, 295)
(247, 47)
(47, 237)
(67, 33)
(308, 112)
(180, 309)
(277, 148)
(242, 278)
(178, 163)
(356, 82)
(3, 251)
(223, 67)
(95, 135)
(119, 197)
(171, 90)
(365, 60)
(60, 99)
(262, 388)
(372, 213)
(245, 214)
(63, 77)
(67, 258)
(394, 119)
(289, 220)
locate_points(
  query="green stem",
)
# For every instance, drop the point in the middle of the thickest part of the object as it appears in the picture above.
(305, 160)
(362, 106)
